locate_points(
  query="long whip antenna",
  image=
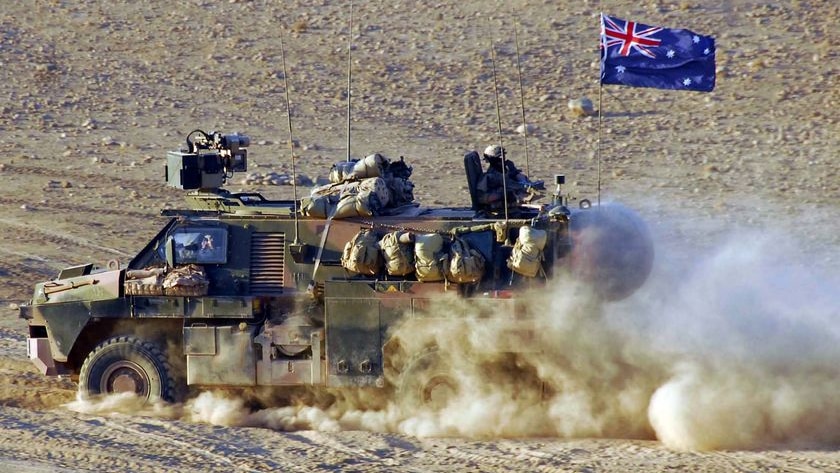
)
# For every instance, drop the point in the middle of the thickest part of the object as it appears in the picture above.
(349, 68)
(291, 141)
(499, 121)
(522, 99)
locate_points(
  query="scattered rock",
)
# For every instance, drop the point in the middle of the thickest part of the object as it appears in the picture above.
(531, 129)
(582, 107)
(46, 67)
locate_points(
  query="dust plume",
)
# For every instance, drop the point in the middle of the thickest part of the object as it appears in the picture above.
(753, 332)
(738, 348)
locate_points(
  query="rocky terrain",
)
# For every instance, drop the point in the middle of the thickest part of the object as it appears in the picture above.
(93, 94)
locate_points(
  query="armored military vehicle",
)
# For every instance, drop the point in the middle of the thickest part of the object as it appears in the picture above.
(240, 291)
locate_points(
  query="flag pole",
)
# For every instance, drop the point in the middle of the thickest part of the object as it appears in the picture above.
(598, 152)
(600, 107)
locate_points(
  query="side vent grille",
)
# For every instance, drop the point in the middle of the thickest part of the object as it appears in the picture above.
(267, 260)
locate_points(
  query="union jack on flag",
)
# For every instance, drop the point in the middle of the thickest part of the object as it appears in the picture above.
(639, 55)
(624, 34)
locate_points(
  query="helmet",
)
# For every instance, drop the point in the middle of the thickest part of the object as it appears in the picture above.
(494, 151)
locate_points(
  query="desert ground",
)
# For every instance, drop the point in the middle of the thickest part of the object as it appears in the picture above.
(740, 321)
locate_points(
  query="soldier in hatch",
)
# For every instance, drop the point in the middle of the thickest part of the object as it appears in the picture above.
(493, 155)
(491, 188)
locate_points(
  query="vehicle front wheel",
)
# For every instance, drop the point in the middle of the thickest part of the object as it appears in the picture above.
(129, 364)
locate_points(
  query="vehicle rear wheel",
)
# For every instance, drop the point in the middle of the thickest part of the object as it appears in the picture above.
(129, 364)
(427, 381)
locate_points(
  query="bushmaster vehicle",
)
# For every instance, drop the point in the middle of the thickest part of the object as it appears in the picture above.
(238, 290)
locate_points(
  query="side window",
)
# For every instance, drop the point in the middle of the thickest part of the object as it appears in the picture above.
(200, 245)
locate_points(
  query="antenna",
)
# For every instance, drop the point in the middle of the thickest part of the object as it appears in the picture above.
(349, 67)
(499, 120)
(291, 140)
(522, 99)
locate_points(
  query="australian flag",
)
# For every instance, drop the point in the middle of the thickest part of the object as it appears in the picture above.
(639, 55)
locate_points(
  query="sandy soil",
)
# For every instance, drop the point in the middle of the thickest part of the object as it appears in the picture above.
(93, 94)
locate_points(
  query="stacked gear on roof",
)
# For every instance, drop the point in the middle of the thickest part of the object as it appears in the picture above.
(362, 188)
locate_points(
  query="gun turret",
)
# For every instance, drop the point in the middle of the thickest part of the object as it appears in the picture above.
(208, 161)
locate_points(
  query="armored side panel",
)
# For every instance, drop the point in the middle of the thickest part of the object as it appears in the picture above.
(358, 316)
(220, 356)
(65, 321)
(220, 307)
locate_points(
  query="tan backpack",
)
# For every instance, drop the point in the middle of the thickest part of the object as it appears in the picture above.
(527, 254)
(369, 166)
(361, 254)
(354, 205)
(377, 186)
(316, 206)
(399, 253)
(342, 171)
(429, 257)
(466, 265)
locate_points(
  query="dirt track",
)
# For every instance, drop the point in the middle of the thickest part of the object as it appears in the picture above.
(92, 96)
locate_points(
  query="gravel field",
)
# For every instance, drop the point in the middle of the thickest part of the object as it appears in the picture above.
(741, 188)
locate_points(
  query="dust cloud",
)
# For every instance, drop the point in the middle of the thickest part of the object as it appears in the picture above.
(737, 348)
(753, 335)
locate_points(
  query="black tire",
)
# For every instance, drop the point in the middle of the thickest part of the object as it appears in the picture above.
(129, 364)
(427, 381)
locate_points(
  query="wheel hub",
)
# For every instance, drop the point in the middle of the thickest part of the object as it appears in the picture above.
(123, 377)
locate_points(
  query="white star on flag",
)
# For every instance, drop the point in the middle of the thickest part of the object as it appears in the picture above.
(620, 69)
(696, 39)
(670, 53)
(706, 51)
(686, 82)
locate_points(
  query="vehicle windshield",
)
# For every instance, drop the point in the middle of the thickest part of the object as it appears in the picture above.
(200, 245)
